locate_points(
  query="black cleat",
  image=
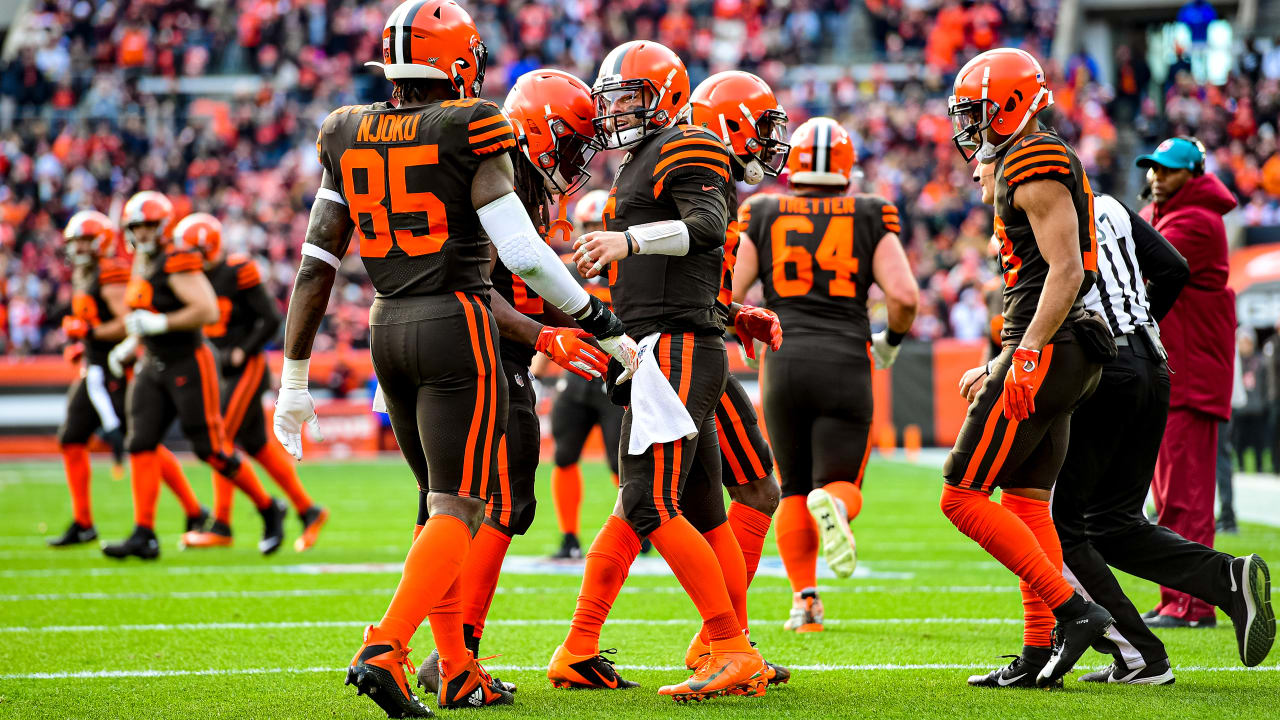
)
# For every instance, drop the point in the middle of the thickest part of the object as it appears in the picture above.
(1021, 673)
(1071, 638)
(776, 674)
(1159, 673)
(1164, 622)
(1250, 610)
(377, 670)
(570, 548)
(142, 543)
(198, 522)
(76, 534)
(273, 516)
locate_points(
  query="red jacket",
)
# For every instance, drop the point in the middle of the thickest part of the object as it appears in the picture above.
(1199, 332)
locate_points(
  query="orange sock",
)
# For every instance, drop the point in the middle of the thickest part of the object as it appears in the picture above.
(608, 561)
(729, 556)
(566, 491)
(247, 480)
(847, 493)
(750, 526)
(223, 498)
(75, 458)
(694, 565)
(145, 469)
(176, 480)
(430, 569)
(282, 469)
(797, 538)
(1038, 620)
(479, 576)
(1008, 539)
(446, 627)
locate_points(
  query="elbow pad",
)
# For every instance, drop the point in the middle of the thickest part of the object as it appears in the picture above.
(666, 237)
(526, 254)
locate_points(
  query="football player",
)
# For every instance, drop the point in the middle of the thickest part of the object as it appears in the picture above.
(817, 250)
(170, 300)
(663, 248)
(581, 405)
(247, 320)
(1016, 431)
(551, 113)
(428, 184)
(96, 400)
(743, 111)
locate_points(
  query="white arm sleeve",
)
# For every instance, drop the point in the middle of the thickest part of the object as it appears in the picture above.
(666, 237)
(525, 253)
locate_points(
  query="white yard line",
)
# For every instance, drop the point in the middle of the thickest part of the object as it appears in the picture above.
(97, 674)
(517, 622)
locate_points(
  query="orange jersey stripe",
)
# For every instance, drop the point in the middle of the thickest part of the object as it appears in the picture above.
(486, 122)
(1035, 171)
(508, 143)
(247, 276)
(184, 262)
(721, 171)
(691, 141)
(690, 154)
(478, 139)
(1049, 157)
(473, 432)
(1028, 148)
(113, 276)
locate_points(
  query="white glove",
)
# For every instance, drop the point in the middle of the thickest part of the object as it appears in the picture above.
(293, 409)
(122, 354)
(624, 350)
(145, 322)
(882, 351)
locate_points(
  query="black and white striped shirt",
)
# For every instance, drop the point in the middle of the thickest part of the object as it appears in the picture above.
(1139, 273)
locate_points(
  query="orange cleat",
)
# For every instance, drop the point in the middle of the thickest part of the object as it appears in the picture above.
(377, 670)
(313, 521)
(218, 535)
(589, 672)
(736, 668)
(697, 652)
(470, 687)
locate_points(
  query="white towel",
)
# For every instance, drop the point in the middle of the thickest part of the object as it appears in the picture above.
(379, 400)
(657, 415)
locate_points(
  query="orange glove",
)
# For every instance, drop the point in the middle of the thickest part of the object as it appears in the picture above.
(1021, 383)
(74, 328)
(757, 323)
(565, 346)
(73, 353)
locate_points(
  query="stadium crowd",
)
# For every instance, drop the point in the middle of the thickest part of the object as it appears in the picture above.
(89, 114)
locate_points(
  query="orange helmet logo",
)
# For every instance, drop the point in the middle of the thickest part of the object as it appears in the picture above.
(821, 154)
(552, 114)
(201, 232)
(742, 110)
(994, 97)
(434, 40)
(643, 86)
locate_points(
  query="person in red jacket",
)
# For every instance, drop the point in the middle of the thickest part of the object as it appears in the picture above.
(1199, 335)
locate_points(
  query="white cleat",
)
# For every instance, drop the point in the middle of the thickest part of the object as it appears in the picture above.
(838, 544)
(806, 612)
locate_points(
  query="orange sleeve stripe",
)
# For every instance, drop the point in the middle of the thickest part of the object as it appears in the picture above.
(113, 276)
(1036, 147)
(248, 277)
(1049, 158)
(657, 188)
(186, 262)
(692, 141)
(690, 155)
(1038, 170)
(486, 122)
(507, 143)
(477, 139)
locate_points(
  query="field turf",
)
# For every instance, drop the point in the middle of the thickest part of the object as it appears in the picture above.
(229, 634)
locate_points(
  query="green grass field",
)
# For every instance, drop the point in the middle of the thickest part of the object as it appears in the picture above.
(227, 633)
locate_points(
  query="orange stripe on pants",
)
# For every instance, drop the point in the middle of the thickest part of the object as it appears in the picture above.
(468, 463)
(208, 370)
(240, 399)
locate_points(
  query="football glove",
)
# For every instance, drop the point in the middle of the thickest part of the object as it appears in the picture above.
(145, 322)
(756, 323)
(124, 353)
(294, 408)
(1021, 383)
(884, 353)
(566, 348)
(74, 328)
(73, 353)
(624, 350)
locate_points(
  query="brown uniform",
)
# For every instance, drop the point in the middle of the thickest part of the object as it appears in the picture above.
(992, 450)
(96, 399)
(405, 175)
(247, 319)
(815, 257)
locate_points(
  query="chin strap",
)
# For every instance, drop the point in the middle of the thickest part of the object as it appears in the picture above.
(561, 225)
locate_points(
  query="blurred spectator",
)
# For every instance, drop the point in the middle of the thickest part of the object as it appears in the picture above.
(1249, 421)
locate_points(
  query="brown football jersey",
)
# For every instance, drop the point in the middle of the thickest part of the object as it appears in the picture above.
(88, 304)
(233, 279)
(405, 175)
(149, 289)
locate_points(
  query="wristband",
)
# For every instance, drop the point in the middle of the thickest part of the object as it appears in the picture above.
(893, 337)
(631, 242)
(293, 376)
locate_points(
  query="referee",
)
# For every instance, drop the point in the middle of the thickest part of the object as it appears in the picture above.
(1098, 501)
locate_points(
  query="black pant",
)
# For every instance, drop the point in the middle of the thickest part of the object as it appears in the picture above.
(1098, 500)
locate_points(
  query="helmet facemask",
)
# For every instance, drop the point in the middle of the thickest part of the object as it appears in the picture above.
(564, 168)
(82, 250)
(766, 153)
(153, 229)
(608, 94)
